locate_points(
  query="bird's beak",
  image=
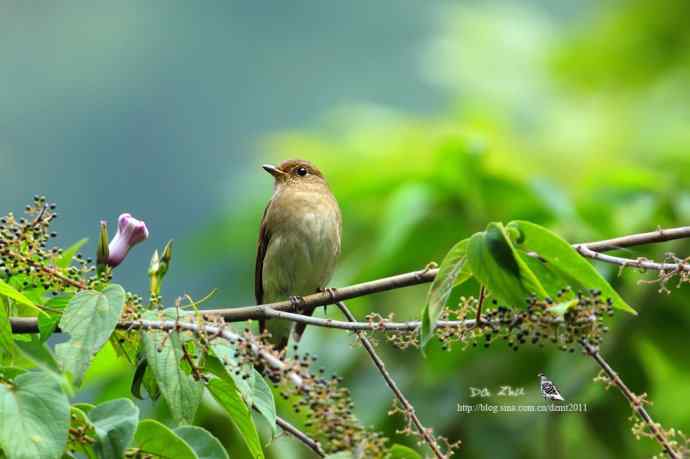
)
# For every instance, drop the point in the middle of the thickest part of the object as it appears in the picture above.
(274, 171)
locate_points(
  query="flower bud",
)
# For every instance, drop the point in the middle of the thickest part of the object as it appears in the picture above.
(158, 267)
(130, 232)
(102, 250)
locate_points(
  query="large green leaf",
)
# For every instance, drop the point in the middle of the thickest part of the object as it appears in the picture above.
(39, 354)
(156, 439)
(35, 416)
(179, 389)
(205, 445)
(497, 265)
(452, 272)
(114, 422)
(264, 401)
(562, 262)
(402, 452)
(89, 319)
(229, 398)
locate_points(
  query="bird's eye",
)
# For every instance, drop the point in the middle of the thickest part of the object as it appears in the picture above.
(301, 171)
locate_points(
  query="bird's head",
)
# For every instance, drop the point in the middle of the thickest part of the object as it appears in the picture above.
(541, 375)
(295, 171)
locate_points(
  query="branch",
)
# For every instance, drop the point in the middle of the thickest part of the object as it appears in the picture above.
(409, 409)
(206, 330)
(301, 436)
(240, 314)
(635, 402)
(653, 237)
(628, 262)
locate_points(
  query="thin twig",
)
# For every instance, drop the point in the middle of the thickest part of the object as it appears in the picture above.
(409, 409)
(630, 263)
(480, 303)
(23, 325)
(634, 400)
(301, 436)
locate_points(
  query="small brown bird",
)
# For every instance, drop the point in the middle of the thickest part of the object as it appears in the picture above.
(299, 242)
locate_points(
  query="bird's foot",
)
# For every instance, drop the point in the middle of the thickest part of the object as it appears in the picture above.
(331, 293)
(297, 303)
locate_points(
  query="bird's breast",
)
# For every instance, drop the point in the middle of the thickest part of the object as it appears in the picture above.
(304, 244)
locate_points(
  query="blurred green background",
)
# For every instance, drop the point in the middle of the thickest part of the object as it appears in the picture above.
(429, 119)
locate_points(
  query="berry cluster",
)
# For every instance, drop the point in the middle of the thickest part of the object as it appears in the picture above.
(326, 405)
(562, 322)
(27, 259)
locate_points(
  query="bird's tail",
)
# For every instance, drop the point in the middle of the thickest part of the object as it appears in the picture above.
(299, 327)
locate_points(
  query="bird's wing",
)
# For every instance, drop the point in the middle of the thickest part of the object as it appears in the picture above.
(261, 247)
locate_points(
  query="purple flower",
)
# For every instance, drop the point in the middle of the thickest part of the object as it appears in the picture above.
(130, 232)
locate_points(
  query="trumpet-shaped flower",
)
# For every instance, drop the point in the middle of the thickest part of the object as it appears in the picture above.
(130, 232)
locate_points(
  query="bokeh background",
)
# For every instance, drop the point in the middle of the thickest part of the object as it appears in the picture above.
(429, 119)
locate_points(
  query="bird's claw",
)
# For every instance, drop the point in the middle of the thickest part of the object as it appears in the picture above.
(331, 293)
(297, 303)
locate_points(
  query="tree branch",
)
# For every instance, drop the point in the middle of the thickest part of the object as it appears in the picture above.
(653, 237)
(239, 314)
(301, 436)
(409, 409)
(630, 263)
(635, 401)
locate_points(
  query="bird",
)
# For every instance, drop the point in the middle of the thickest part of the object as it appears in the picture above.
(298, 244)
(548, 389)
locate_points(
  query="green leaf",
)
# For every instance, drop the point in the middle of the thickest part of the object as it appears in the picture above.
(402, 452)
(47, 325)
(67, 254)
(39, 354)
(90, 318)
(156, 439)
(234, 369)
(264, 401)
(10, 292)
(497, 265)
(559, 309)
(114, 422)
(6, 340)
(205, 445)
(229, 398)
(180, 391)
(84, 406)
(340, 455)
(9, 373)
(35, 417)
(563, 261)
(452, 272)
(143, 375)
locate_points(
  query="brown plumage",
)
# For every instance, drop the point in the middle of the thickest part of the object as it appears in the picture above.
(299, 241)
